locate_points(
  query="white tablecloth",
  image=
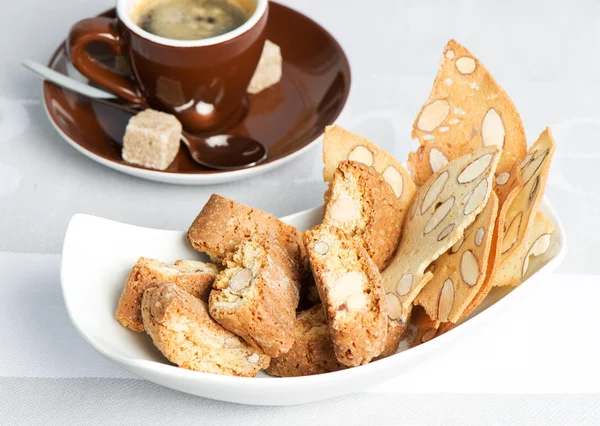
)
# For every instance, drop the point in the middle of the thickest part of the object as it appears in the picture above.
(536, 364)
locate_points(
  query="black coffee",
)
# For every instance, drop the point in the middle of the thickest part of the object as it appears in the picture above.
(191, 19)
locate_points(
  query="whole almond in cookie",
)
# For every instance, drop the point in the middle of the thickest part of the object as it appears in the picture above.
(257, 294)
(341, 145)
(447, 203)
(363, 205)
(460, 274)
(466, 110)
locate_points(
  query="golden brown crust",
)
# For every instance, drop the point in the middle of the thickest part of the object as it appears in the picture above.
(147, 272)
(351, 290)
(264, 311)
(365, 207)
(312, 351)
(184, 332)
(395, 332)
(223, 224)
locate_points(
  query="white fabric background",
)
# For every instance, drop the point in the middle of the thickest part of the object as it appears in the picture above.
(535, 364)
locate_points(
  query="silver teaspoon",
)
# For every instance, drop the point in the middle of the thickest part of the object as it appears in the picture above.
(218, 152)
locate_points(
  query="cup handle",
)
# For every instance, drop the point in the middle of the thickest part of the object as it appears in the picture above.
(103, 30)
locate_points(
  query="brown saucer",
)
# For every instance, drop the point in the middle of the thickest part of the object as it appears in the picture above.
(286, 117)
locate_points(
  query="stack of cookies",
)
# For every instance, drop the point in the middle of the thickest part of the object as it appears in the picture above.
(399, 258)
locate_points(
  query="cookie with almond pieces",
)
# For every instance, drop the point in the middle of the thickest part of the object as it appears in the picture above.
(182, 329)
(461, 271)
(363, 205)
(506, 189)
(447, 203)
(466, 110)
(194, 277)
(257, 294)
(352, 294)
(312, 351)
(341, 145)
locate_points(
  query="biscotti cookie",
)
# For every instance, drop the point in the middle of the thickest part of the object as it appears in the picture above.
(312, 351)
(184, 332)
(364, 206)
(193, 276)
(351, 292)
(223, 224)
(256, 296)
(341, 145)
(447, 203)
(466, 110)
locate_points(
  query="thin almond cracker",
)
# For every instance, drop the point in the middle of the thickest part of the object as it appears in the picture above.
(461, 271)
(466, 110)
(536, 243)
(442, 209)
(506, 189)
(341, 145)
(520, 212)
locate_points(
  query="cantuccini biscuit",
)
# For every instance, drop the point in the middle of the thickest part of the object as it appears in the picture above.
(257, 294)
(351, 292)
(364, 206)
(192, 276)
(312, 351)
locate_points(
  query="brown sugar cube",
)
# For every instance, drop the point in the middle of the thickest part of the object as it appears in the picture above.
(256, 296)
(194, 277)
(364, 206)
(352, 294)
(182, 329)
(223, 224)
(312, 351)
(152, 139)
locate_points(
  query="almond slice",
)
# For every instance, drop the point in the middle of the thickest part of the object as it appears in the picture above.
(433, 114)
(446, 300)
(492, 129)
(502, 178)
(437, 159)
(466, 65)
(440, 214)
(394, 178)
(445, 232)
(469, 268)
(486, 115)
(475, 169)
(419, 246)
(477, 197)
(539, 247)
(362, 155)
(404, 284)
(434, 191)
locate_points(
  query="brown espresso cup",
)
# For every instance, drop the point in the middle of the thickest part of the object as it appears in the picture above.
(202, 82)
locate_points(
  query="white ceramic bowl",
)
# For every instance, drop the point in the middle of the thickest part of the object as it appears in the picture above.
(98, 255)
